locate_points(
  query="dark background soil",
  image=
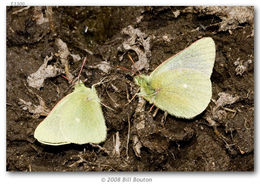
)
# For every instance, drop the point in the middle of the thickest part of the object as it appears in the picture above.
(178, 144)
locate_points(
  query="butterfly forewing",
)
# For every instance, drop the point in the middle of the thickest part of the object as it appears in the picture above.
(198, 56)
(49, 130)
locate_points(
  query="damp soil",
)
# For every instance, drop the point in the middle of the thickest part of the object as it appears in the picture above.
(165, 143)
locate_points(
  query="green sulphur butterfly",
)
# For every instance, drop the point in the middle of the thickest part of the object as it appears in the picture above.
(181, 85)
(77, 118)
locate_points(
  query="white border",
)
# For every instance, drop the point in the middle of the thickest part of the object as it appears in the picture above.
(83, 179)
(131, 2)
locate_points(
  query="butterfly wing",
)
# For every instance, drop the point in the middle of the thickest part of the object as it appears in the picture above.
(183, 93)
(198, 56)
(77, 118)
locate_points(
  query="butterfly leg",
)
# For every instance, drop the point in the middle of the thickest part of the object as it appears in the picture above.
(151, 108)
(155, 112)
(163, 120)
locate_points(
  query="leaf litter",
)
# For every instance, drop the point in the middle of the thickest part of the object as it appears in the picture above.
(231, 16)
(36, 79)
(135, 42)
(204, 148)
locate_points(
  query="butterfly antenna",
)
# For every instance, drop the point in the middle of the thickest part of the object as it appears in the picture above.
(126, 69)
(83, 63)
(67, 78)
(131, 59)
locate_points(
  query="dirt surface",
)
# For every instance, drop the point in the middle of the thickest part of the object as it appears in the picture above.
(219, 139)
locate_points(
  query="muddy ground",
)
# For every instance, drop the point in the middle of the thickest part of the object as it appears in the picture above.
(219, 139)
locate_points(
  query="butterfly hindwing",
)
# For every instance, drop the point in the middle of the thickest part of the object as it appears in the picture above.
(183, 93)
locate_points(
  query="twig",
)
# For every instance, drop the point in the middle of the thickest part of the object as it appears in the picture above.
(99, 147)
(127, 93)
(117, 105)
(20, 10)
(117, 144)
(133, 97)
(128, 136)
(107, 107)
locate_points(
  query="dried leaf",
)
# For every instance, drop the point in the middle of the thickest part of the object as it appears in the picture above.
(137, 39)
(36, 110)
(45, 71)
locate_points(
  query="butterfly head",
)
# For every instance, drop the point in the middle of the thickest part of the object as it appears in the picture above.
(141, 80)
(146, 89)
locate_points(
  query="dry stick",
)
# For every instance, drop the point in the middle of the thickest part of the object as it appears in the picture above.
(20, 10)
(163, 119)
(127, 94)
(107, 106)
(223, 138)
(128, 70)
(117, 144)
(30, 168)
(112, 99)
(99, 147)
(49, 14)
(132, 97)
(66, 68)
(128, 136)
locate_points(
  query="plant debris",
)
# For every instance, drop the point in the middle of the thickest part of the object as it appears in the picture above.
(104, 66)
(45, 71)
(64, 53)
(38, 16)
(231, 16)
(241, 66)
(147, 143)
(36, 110)
(219, 113)
(137, 41)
